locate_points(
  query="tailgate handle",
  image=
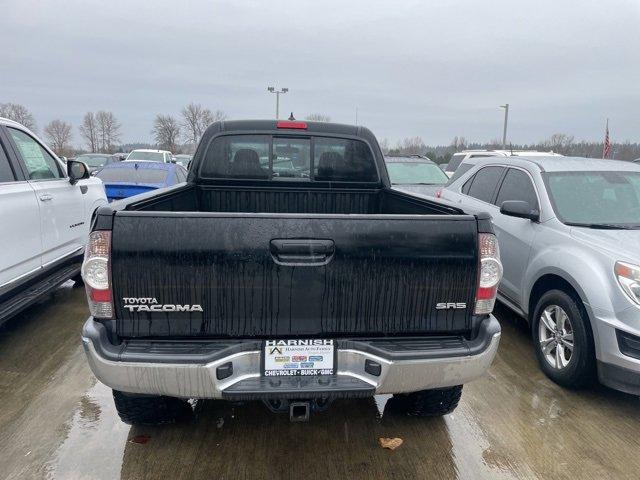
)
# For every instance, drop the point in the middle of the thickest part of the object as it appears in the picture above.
(302, 251)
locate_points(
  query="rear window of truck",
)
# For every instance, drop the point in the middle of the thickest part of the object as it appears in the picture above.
(266, 157)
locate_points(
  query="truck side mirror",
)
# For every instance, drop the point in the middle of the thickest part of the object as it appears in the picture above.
(519, 209)
(77, 171)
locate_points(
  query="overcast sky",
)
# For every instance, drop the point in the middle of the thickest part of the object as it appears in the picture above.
(434, 69)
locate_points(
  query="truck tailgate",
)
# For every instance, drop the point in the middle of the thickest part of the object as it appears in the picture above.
(279, 275)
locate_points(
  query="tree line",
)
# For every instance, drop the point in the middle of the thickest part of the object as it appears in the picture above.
(558, 142)
(101, 132)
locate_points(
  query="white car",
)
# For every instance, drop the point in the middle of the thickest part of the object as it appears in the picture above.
(45, 214)
(163, 156)
(466, 156)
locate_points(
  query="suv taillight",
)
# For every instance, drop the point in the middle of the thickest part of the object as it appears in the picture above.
(96, 273)
(490, 273)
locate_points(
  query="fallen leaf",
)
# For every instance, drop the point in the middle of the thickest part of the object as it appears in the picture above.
(141, 439)
(390, 443)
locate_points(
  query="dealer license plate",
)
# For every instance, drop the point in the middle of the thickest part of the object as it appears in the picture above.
(297, 357)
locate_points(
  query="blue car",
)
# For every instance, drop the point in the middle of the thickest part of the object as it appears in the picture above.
(131, 177)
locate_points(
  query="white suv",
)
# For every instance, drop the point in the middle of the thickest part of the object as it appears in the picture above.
(44, 217)
(163, 156)
(465, 155)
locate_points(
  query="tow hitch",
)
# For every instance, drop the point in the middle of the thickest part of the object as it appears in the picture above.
(299, 411)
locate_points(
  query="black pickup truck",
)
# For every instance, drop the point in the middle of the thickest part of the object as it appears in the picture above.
(285, 269)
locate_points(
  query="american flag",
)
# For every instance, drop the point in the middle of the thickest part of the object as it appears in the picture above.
(606, 150)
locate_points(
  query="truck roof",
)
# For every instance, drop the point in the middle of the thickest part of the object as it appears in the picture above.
(271, 125)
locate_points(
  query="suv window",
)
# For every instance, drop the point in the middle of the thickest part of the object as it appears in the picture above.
(455, 161)
(483, 184)
(40, 164)
(342, 160)
(6, 173)
(462, 169)
(517, 186)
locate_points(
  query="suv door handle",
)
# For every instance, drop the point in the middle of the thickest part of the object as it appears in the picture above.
(45, 197)
(302, 252)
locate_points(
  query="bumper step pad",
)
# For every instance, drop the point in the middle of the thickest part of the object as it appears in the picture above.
(335, 386)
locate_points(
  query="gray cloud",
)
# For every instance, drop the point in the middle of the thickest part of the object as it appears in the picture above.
(434, 69)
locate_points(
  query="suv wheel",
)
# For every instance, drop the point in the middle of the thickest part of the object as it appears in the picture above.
(150, 410)
(429, 403)
(563, 340)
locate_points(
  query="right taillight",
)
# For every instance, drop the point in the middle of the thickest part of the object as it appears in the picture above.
(96, 273)
(490, 273)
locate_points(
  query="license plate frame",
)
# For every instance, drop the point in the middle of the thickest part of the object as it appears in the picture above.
(314, 357)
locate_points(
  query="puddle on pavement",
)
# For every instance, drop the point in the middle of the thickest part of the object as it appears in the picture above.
(95, 442)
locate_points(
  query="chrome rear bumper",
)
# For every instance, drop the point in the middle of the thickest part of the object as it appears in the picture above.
(154, 375)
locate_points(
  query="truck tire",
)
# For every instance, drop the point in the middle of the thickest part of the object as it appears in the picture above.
(574, 365)
(150, 410)
(429, 403)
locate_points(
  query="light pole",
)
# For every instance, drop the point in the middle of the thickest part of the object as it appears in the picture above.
(506, 119)
(277, 92)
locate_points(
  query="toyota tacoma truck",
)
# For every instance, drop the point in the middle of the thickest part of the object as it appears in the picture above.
(285, 269)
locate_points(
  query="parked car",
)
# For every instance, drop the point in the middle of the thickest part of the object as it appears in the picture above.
(321, 282)
(120, 156)
(45, 213)
(95, 161)
(415, 174)
(131, 177)
(443, 167)
(470, 157)
(569, 234)
(153, 155)
(182, 159)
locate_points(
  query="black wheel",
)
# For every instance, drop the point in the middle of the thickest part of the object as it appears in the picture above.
(429, 403)
(150, 410)
(78, 281)
(563, 339)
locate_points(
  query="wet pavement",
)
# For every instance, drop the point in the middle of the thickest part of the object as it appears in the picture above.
(57, 421)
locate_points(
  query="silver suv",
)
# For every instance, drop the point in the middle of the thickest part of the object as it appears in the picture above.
(569, 233)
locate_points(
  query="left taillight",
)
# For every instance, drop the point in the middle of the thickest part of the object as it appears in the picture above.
(96, 273)
(490, 273)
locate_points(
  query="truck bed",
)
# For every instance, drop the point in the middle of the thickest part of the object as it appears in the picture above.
(287, 199)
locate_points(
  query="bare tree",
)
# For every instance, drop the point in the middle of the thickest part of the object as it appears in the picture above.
(108, 131)
(409, 146)
(196, 119)
(559, 143)
(166, 130)
(59, 135)
(209, 117)
(89, 131)
(318, 117)
(18, 113)
(384, 145)
(459, 143)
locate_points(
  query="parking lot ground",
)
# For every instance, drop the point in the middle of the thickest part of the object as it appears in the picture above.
(57, 421)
